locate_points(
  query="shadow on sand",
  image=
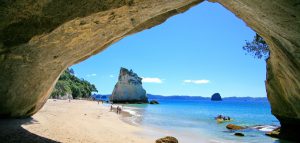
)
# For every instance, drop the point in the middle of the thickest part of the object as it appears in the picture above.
(11, 131)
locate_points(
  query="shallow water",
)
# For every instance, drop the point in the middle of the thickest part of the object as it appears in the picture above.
(193, 120)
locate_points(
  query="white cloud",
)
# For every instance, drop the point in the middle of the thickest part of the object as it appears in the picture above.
(90, 75)
(202, 81)
(151, 79)
(111, 76)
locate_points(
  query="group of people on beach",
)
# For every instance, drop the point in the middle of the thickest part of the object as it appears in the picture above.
(119, 109)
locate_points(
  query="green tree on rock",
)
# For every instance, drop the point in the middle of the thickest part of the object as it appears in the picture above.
(69, 84)
(258, 48)
(61, 88)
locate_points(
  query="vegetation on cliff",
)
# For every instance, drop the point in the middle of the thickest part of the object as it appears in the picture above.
(69, 84)
(258, 48)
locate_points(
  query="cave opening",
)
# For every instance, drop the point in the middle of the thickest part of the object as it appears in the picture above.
(30, 63)
(197, 53)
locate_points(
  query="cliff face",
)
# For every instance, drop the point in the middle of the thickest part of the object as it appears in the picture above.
(129, 88)
(39, 39)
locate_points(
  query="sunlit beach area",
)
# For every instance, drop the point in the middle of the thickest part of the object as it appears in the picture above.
(74, 121)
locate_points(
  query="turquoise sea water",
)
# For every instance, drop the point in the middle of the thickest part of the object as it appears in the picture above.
(193, 120)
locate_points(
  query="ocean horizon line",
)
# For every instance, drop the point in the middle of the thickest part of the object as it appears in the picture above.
(155, 96)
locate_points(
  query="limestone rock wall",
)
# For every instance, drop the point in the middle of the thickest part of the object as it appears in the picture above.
(34, 51)
(129, 88)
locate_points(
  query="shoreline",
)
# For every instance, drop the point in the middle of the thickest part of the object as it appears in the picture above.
(201, 135)
(69, 122)
(157, 132)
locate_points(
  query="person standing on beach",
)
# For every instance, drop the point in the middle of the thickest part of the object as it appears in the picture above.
(118, 109)
(111, 107)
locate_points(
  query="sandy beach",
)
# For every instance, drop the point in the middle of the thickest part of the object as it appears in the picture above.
(69, 122)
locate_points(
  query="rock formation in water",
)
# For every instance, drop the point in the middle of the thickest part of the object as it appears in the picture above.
(234, 127)
(239, 134)
(153, 102)
(129, 88)
(40, 39)
(216, 97)
(275, 133)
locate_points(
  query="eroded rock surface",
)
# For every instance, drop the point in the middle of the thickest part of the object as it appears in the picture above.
(39, 39)
(129, 88)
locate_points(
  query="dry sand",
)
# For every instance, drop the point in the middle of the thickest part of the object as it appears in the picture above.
(71, 122)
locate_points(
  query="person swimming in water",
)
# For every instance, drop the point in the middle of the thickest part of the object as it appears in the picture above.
(221, 117)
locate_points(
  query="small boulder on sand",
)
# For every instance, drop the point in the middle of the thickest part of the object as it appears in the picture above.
(167, 139)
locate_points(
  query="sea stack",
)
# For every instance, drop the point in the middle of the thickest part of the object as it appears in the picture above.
(216, 97)
(129, 88)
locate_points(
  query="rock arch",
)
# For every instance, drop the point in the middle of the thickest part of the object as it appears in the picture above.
(39, 39)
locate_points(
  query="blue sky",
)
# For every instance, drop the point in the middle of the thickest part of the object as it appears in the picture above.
(196, 53)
